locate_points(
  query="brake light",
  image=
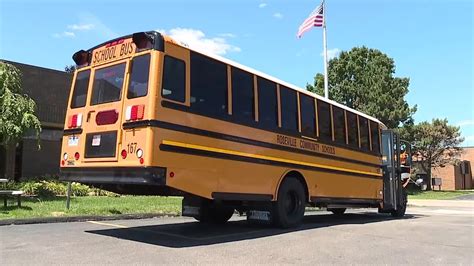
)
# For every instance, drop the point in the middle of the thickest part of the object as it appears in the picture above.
(124, 154)
(135, 112)
(116, 42)
(106, 117)
(74, 121)
(77, 156)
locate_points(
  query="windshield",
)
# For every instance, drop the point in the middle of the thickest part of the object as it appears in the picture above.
(108, 83)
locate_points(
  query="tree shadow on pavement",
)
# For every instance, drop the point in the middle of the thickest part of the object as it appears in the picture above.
(190, 234)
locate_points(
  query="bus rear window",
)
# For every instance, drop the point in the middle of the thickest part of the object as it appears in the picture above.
(79, 94)
(138, 86)
(108, 83)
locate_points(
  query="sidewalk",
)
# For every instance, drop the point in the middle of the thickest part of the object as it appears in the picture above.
(442, 203)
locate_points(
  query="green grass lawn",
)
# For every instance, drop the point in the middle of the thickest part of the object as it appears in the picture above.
(438, 195)
(91, 205)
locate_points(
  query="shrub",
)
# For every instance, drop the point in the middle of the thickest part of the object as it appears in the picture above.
(79, 189)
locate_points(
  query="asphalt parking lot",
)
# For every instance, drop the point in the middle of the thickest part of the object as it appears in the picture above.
(427, 235)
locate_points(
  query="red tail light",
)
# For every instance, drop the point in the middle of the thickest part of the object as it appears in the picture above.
(124, 154)
(74, 121)
(77, 156)
(106, 117)
(135, 112)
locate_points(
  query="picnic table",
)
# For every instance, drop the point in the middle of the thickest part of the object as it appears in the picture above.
(6, 193)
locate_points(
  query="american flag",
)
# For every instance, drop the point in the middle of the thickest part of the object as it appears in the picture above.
(315, 19)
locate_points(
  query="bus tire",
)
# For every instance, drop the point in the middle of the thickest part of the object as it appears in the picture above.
(215, 214)
(337, 211)
(402, 207)
(288, 210)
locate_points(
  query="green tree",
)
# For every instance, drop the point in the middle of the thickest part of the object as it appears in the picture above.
(363, 79)
(17, 110)
(436, 144)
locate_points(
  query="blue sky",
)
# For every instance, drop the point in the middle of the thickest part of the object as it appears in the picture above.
(430, 41)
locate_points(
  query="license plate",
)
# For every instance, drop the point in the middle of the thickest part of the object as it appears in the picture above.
(73, 141)
(96, 140)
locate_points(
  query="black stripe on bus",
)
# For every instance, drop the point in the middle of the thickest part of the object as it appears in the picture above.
(254, 124)
(241, 196)
(212, 134)
(218, 155)
(72, 131)
(340, 200)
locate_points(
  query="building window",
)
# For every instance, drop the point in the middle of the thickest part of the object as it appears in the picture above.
(324, 121)
(364, 133)
(242, 95)
(138, 85)
(308, 117)
(267, 104)
(374, 128)
(174, 79)
(208, 85)
(289, 109)
(352, 132)
(79, 94)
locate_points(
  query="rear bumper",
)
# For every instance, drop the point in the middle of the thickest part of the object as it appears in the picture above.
(117, 175)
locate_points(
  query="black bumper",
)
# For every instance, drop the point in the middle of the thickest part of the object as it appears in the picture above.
(118, 175)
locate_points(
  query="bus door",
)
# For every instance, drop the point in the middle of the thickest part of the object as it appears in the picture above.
(391, 169)
(103, 115)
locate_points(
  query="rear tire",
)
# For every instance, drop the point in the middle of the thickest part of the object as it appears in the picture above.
(288, 210)
(402, 207)
(337, 211)
(214, 214)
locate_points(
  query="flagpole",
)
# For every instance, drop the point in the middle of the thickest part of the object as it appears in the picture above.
(326, 90)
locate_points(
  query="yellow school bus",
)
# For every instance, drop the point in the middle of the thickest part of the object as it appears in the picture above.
(148, 115)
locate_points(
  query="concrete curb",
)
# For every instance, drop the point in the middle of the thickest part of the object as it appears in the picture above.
(68, 219)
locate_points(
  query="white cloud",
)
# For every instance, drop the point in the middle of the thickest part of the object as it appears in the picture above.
(262, 5)
(278, 15)
(332, 53)
(198, 40)
(64, 34)
(228, 35)
(83, 27)
(465, 123)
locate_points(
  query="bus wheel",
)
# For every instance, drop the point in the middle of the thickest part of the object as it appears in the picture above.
(337, 211)
(215, 214)
(288, 210)
(402, 207)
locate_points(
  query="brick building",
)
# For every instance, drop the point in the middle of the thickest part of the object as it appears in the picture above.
(455, 177)
(50, 90)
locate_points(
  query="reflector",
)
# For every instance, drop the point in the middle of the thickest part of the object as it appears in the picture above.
(106, 117)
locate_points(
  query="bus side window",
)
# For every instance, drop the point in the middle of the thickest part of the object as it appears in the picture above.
(242, 95)
(352, 132)
(208, 85)
(267, 104)
(374, 127)
(289, 109)
(324, 121)
(308, 118)
(174, 79)
(79, 94)
(138, 84)
(364, 133)
(339, 125)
